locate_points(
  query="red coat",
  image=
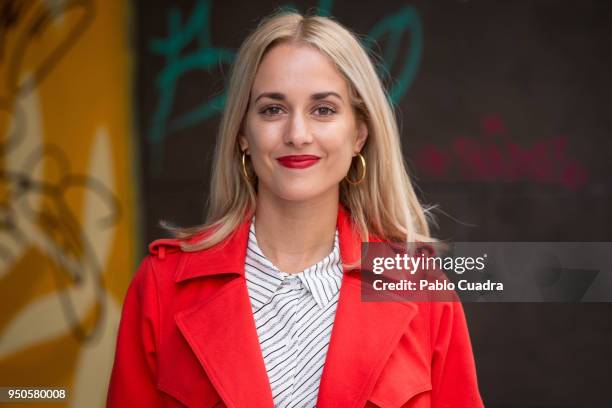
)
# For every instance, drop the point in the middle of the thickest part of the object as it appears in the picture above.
(187, 338)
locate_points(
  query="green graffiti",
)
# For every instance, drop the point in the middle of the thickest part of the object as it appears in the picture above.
(289, 8)
(324, 7)
(394, 26)
(178, 63)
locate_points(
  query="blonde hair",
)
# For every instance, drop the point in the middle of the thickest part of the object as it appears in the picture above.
(384, 204)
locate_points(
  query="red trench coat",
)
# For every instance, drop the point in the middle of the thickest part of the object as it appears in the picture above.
(187, 338)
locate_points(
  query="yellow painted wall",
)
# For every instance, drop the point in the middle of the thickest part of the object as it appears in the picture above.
(68, 193)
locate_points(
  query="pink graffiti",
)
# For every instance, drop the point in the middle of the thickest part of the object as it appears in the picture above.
(495, 157)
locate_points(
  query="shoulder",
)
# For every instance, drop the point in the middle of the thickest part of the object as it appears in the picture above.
(167, 256)
(159, 264)
(160, 248)
(172, 247)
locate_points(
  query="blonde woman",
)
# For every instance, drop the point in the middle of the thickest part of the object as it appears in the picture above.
(260, 307)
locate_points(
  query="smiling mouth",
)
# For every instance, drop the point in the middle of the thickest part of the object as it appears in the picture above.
(298, 162)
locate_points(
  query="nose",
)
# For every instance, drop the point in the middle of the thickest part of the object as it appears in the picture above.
(297, 132)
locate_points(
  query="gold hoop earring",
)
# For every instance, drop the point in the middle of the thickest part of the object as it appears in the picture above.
(363, 173)
(244, 170)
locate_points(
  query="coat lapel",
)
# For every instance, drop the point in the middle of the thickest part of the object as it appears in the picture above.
(223, 336)
(221, 330)
(363, 336)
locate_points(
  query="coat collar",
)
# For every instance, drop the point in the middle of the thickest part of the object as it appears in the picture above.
(228, 256)
(220, 330)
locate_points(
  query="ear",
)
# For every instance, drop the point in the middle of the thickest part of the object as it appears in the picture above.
(244, 144)
(362, 136)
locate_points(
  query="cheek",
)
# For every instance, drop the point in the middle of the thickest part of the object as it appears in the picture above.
(263, 137)
(339, 142)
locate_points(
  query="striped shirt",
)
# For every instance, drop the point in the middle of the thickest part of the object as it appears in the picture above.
(294, 314)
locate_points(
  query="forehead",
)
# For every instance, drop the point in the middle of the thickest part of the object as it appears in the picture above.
(291, 68)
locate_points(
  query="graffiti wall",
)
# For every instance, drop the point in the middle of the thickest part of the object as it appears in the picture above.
(68, 230)
(108, 117)
(505, 125)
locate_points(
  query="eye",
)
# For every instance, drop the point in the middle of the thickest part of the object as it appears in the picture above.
(325, 110)
(271, 111)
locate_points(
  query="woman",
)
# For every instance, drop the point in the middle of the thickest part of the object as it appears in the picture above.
(261, 306)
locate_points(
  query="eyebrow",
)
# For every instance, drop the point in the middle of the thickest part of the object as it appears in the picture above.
(281, 97)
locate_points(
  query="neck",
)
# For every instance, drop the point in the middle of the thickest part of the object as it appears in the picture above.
(296, 235)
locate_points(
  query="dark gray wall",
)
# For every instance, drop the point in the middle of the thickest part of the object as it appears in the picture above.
(504, 108)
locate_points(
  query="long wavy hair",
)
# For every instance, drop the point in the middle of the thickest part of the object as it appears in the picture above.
(384, 204)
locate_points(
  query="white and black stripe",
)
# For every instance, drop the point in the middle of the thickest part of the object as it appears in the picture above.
(294, 315)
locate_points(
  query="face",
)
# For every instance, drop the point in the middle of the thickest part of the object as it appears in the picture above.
(300, 130)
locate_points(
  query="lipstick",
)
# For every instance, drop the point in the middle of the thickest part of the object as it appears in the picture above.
(298, 161)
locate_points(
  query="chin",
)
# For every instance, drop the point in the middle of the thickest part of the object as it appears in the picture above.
(296, 196)
(299, 193)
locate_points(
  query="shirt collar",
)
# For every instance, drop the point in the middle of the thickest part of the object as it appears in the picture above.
(322, 280)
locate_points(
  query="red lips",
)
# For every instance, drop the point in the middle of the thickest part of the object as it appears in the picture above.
(298, 162)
